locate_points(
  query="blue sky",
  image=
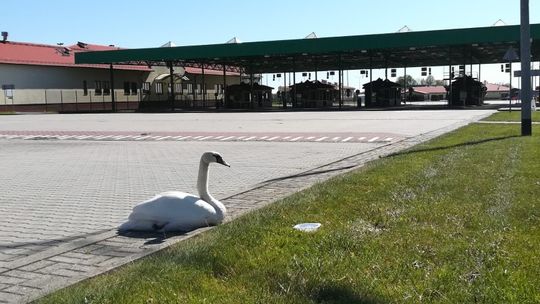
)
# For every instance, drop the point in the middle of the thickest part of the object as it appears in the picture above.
(137, 24)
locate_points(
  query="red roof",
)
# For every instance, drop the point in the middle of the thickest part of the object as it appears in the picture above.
(496, 87)
(430, 90)
(54, 55)
(198, 71)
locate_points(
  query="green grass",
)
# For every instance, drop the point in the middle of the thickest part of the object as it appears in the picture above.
(511, 116)
(455, 220)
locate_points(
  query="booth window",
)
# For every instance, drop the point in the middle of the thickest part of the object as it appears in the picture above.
(133, 88)
(126, 88)
(159, 88)
(146, 87)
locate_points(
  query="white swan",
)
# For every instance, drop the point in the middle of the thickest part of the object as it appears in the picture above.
(179, 211)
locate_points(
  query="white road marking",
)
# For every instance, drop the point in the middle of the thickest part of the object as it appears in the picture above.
(184, 137)
(263, 138)
(388, 139)
(206, 137)
(164, 137)
(250, 138)
(373, 139)
(227, 138)
(322, 138)
(272, 138)
(347, 139)
(296, 138)
(310, 138)
(122, 137)
(197, 137)
(218, 137)
(361, 138)
(240, 137)
(336, 138)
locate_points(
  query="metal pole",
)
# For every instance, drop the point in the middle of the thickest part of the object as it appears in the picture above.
(224, 84)
(203, 85)
(405, 84)
(294, 87)
(113, 99)
(284, 93)
(526, 125)
(171, 75)
(510, 90)
(251, 97)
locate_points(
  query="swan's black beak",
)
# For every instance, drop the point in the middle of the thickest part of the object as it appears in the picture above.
(224, 163)
(220, 160)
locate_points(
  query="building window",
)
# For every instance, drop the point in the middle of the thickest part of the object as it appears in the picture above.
(126, 88)
(146, 87)
(199, 91)
(159, 88)
(85, 88)
(106, 88)
(178, 88)
(188, 88)
(98, 89)
(133, 88)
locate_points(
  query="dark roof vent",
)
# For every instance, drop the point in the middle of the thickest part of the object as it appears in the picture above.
(82, 45)
(64, 51)
(4, 36)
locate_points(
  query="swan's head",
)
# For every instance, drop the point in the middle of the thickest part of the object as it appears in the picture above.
(214, 157)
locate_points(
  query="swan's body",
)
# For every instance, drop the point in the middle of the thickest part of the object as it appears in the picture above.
(179, 211)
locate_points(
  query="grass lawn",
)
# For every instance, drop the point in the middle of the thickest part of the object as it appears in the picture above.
(455, 220)
(511, 116)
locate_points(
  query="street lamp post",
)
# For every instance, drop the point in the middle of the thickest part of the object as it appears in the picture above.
(525, 30)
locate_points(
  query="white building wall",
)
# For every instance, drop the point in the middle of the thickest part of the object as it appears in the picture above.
(52, 84)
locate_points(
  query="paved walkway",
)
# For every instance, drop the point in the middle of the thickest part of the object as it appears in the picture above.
(62, 199)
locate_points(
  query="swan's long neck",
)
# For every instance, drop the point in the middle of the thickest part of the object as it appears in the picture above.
(202, 187)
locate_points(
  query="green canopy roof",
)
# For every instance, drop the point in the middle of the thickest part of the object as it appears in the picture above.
(410, 49)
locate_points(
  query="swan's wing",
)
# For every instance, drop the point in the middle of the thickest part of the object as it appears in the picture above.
(172, 206)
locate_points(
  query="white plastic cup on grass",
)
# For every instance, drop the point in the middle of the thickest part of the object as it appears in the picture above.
(307, 227)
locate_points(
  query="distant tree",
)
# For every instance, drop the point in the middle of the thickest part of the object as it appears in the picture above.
(430, 80)
(408, 82)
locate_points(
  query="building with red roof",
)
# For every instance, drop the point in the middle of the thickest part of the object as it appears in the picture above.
(40, 77)
(421, 93)
(496, 91)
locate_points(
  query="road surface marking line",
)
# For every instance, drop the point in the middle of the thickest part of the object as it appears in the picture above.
(206, 137)
(272, 138)
(164, 137)
(227, 138)
(322, 138)
(347, 139)
(373, 139)
(388, 139)
(296, 138)
(250, 138)
(310, 138)
(263, 138)
(218, 137)
(361, 138)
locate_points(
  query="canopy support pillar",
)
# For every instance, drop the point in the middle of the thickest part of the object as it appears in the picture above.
(113, 99)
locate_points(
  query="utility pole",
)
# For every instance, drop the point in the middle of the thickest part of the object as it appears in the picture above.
(525, 30)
